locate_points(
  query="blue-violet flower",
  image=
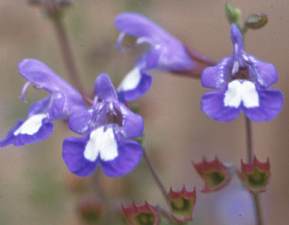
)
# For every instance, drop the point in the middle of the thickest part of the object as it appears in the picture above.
(241, 83)
(61, 101)
(108, 129)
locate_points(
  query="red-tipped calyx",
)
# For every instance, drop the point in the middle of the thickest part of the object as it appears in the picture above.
(214, 174)
(182, 204)
(143, 214)
(255, 175)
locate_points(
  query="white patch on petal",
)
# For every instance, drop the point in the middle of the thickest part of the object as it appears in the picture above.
(31, 125)
(131, 80)
(241, 91)
(101, 143)
(250, 95)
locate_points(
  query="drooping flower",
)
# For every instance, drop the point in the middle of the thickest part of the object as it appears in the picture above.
(165, 52)
(241, 83)
(61, 101)
(214, 173)
(108, 129)
(143, 214)
(182, 204)
(255, 175)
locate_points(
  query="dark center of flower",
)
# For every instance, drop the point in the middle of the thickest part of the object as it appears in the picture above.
(242, 74)
(114, 116)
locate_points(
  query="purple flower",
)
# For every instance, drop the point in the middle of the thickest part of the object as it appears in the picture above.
(165, 53)
(241, 83)
(61, 101)
(108, 129)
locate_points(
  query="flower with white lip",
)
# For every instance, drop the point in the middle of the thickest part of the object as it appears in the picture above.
(61, 101)
(107, 130)
(241, 83)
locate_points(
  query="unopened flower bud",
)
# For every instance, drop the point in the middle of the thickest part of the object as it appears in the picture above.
(233, 14)
(256, 21)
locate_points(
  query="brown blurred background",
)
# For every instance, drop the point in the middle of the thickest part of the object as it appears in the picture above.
(33, 180)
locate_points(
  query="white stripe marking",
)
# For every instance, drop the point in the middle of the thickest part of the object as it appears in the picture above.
(101, 143)
(32, 125)
(131, 80)
(241, 91)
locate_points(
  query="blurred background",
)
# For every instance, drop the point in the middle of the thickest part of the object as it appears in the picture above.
(35, 187)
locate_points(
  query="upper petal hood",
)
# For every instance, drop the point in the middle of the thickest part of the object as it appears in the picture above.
(41, 76)
(172, 54)
(104, 88)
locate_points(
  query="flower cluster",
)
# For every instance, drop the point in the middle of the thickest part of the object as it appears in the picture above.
(107, 127)
(108, 130)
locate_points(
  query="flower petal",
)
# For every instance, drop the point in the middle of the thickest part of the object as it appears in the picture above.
(130, 153)
(104, 88)
(271, 102)
(216, 76)
(213, 105)
(79, 121)
(139, 26)
(73, 156)
(24, 133)
(39, 106)
(133, 124)
(265, 73)
(41, 76)
(134, 85)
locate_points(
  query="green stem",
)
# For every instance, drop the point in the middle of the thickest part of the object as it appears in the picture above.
(250, 157)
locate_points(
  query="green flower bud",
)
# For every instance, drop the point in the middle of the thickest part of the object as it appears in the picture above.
(256, 21)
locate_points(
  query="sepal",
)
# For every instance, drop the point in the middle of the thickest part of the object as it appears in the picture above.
(214, 173)
(144, 214)
(255, 175)
(182, 204)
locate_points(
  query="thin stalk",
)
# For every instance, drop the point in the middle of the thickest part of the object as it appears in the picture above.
(249, 140)
(162, 190)
(250, 157)
(156, 179)
(67, 54)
